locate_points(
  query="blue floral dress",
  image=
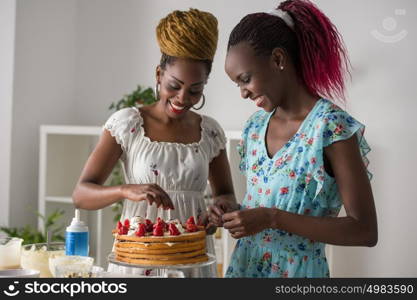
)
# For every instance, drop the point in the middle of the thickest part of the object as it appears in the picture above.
(294, 180)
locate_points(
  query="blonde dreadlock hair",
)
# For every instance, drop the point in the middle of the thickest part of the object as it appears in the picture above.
(188, 34)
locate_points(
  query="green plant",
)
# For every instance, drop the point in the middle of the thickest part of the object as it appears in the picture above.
(32, 235)
(136, 98)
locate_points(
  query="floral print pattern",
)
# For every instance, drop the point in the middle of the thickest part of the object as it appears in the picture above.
(154, 170)
(294, 180)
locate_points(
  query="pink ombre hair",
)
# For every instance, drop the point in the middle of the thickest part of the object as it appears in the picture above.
(314, 45)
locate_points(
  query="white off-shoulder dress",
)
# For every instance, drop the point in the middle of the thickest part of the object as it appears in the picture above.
(180, 169)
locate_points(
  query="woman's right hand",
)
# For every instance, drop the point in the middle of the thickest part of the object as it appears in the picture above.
(221, 206)
(152, 193)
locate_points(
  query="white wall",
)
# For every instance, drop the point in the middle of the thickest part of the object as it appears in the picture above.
(382, 96)
(43, 92)
(117, 50)
(76, 57)
(109, 55)
(7, 34)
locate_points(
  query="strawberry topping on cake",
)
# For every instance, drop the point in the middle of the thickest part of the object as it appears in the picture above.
(141, 227)
(173, 230)
(141, 231)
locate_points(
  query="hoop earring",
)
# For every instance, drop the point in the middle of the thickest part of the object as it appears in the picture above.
(201, 106)
(157, 88)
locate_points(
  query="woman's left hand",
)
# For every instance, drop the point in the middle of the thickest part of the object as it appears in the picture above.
(247, 222)
(203, 220)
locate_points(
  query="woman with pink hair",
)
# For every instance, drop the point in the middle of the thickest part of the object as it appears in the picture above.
(303, 156)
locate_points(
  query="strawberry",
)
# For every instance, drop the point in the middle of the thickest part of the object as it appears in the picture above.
(119, 225)
(160, 221)
(149, 225)
(125, 230)
(190, 221)
(173, 230)
(158, 230)
(119, 228)
(191, 227)
(141, 231)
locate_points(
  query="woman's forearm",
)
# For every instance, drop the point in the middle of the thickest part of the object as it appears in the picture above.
(228, 198)
(345, 231)
(93, 196)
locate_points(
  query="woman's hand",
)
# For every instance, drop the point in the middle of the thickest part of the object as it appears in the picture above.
(152, 193)
(247, 222)
(203, 220)
(221, 206)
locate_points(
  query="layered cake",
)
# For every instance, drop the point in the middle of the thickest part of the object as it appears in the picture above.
(142, 242)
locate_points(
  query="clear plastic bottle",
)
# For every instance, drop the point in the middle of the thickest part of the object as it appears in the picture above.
(77, 237)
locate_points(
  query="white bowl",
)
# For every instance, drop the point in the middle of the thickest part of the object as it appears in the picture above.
(19, 273)
(71, 265)
(36, 256)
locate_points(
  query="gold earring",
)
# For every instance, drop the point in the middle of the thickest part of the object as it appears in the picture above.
(157, 88)
(201, 106)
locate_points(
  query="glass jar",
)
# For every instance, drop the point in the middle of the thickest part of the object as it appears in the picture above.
(72, 266)
(36, 256)
(10, 248)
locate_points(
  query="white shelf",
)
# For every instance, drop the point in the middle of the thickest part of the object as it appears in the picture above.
(67, 200)
(71, 130)
(62, 155)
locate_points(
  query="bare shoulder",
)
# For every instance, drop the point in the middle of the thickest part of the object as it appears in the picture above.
(345, 158)
(344, 147)
(108, 143)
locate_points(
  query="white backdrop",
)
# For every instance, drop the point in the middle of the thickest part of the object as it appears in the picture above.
(7, 33)
(73, 58)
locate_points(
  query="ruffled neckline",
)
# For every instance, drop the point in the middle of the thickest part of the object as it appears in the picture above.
(203, 129)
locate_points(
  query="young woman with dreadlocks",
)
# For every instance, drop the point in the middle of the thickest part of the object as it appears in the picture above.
(303, 156)
(167, 150)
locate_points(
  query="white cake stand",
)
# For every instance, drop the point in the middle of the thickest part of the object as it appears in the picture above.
(189, 270)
